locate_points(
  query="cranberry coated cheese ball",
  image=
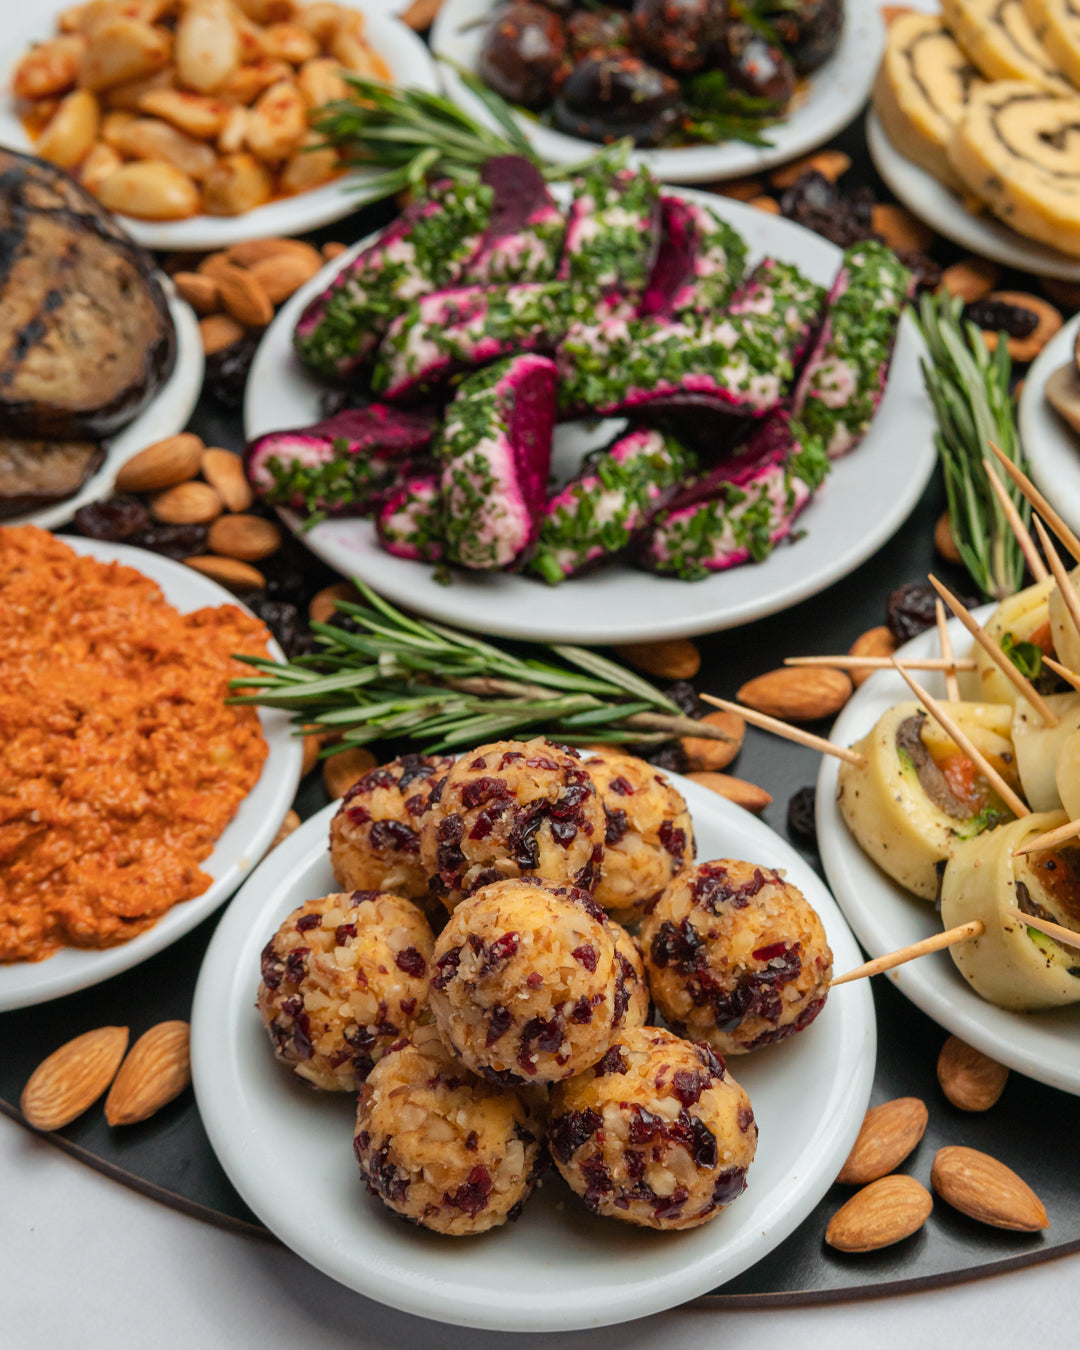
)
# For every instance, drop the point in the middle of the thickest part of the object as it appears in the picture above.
(657, 1134)
(440, 1146)
(375, 835)
(649, 836)
(735, 956)
(527, 985)
(343, 978)
(512, 809)
(632, 969)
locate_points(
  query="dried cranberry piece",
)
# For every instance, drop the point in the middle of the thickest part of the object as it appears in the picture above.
(713, 887)
(448, 855)
(769, 953)
(361, 898)
(509, 756)
(676, 945)
(703, 1148)
(622, 786)
(522, 842)
(344, 932)
(570, 1131)
(670, 1207)
(578, 895)
(417, 805)
(688, 1086)
(380, 777)
(481, 790)
(712, 1061)
(413, 766)
(499, 1023)
(447, 966)
(383, 1179)
(564, 832)
(534, 979)
(408, 1006)
(338, 1058)
(546, 1035)
(597, 1180)
(359, 815)
(644, 1125)
(271, 967)
(472, 1141)
(114, 519)
(586, 955)
(307, 921)
(392, 834)
(745, 1118)
(541, 762)
(295, 967)
(582, 1012)
(482, 826)
(411, 962)
(301, 1037)
(730, 1183)
(617, 826)
(502, 949)
(673, 840)
(568, 806)
(801, 816)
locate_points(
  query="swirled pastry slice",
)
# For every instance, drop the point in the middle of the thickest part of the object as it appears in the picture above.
(1056, 23)
(1018, 148)
(999, 39)
(921, 90)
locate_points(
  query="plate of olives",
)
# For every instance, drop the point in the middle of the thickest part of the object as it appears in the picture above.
(705, 89)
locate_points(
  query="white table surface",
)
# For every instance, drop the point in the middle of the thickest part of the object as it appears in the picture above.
(89, 1263)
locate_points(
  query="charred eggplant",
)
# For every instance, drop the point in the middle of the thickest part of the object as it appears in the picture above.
(605, 98)
(521, 51)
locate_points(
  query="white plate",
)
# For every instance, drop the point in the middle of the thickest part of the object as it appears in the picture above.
(885, 916)
(289, 1152)
(239, 848)
(835, 95)
(943, 209)
(864, 502)
(1050, 444)
(165, 415)
(404, 53)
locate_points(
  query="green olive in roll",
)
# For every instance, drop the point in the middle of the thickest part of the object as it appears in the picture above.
(1019, 618)
(1012, 964)
(916, 796)
(1068, 775)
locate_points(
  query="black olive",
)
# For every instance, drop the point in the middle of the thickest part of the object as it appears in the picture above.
(680, 35)
(756, 67)
(810, 31)
(605, 98)
(801, 822)
(521, 52)
(595, 32)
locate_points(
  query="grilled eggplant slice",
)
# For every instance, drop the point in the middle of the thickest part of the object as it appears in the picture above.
(37, 473)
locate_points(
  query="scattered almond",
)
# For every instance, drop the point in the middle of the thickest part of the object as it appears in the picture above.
(161, 465)
(677, 659)
(741, 189)
(219, 331)
(1049, 322)
(287, 826)
(971, 1080)
(189, 503)
(213, 264)
(705, 753)
(420, 15)
(986, 1190)
(323, 604)
(313, 743)
(831, 164)
(900, 229)
(201, 292)
(767, 204)
(248, 538)
(243, 296)
(230, 572)
(157, 1070)
(284, 273)
(334, 249)
(341, 771)
(889, 1133)
(747, 795)
(249, 252)
(944, 541)
(970, 278)
(882, 1213)
(224, 471)
(66, 1084)
(874, 642)
(798, 693)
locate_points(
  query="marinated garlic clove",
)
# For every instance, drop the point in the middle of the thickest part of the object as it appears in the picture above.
(236, 184)
(49, 69)
(277, 124)
(207, 46)
(150, 190)
(72, 131)
(121, 50)
(150, 138)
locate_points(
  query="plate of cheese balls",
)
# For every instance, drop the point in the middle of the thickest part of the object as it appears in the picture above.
(532, 1039)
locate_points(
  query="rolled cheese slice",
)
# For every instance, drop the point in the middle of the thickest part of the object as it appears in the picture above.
(898, 805)
(1011, 964)
(921, 90)
(1022, 615)
(1068, 775)
(1056, 24)
(1062, 629)
(1001, 42)
(1038, 748)
(1017, 147)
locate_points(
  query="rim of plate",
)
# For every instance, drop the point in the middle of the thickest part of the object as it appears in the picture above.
(239, 848)
(843, 527)
(885, 917)
(940, 207)
(363, 1258)
(1051, 446)
(410, 64)
(166, 414)
(837, 92)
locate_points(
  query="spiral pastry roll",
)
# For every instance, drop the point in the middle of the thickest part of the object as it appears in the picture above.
(999, 40)
(1056, 23)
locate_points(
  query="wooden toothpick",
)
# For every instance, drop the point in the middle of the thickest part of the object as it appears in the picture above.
(942, 718)
(788, 732)
(1016, 524)
(1047, 926)
(966, 931)
(1039, 502)
(952, 689)
(1069, 676)
(1050, 839)
(1064, 584)
(990, 647)
(882, 662)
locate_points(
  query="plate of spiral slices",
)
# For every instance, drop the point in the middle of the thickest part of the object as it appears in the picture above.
(972, 127)
(446, 943)
(583, 398)
(191, 121)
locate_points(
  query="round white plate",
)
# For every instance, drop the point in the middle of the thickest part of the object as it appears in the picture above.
(288, 1151)
(404, 53)
(835, 95)
(239, 848)
(862, 504)
(165, 415)
(1050, 444)
(943, 209)
(885, 917)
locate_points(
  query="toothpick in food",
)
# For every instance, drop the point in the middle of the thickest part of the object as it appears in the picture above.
(952, 689)
(788, 732)
(1016, 524)
(1039, 502)
(936, 943)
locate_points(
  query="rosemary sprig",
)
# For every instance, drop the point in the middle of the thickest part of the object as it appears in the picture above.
(969, 388)
(393, 677)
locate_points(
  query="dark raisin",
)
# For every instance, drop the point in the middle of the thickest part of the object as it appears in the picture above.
(801, 819)
(998, 316)
(226, 371)
(669, 755)
(683, 694)
(819, 205)
(171, 541)
(924, 270)
(910, 610)
(113, 520)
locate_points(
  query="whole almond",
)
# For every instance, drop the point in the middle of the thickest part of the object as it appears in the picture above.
(986, 1190)
(741, 189)
(882, 1213)
(971, 1080)
(186, 504)
(287, 826)
(66, 1084)
(314, 740)
(248, 538)
(889, 1133)
(161, 465)
(231, 572)
(334, 249)
(250, 252)
(900, 229)
(971, 278)
(224, 471)
(798, 693)
(199, 290)
(243, 297)
(831, 164)
(704, 753)
(944, 541)
(677, 659)
(769, 205)
(874, 642)
(323, 605)
(219, 331)
(737, 790)
(157, 1070)
(341, 771)
(284, 273)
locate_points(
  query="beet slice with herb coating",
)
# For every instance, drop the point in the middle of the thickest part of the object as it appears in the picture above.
(612, 238)
(702, 259)
(525, 231)
(409, 524)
